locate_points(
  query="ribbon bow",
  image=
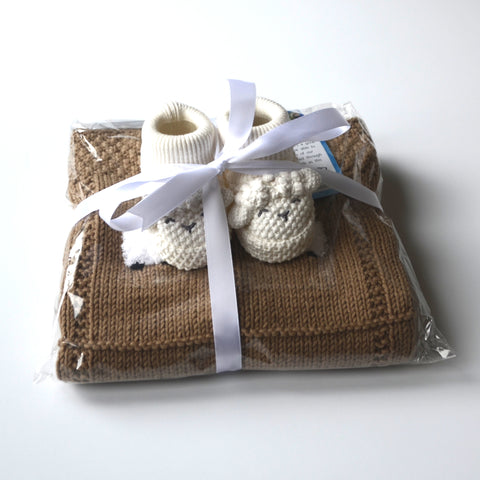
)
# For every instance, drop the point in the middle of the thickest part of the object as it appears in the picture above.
(166, 189)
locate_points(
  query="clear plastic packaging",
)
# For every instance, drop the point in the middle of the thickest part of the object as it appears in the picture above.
(357, 305)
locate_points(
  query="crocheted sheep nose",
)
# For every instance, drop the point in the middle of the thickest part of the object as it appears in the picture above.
(284, 215)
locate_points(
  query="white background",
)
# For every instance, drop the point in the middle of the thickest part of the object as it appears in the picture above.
(411, 68)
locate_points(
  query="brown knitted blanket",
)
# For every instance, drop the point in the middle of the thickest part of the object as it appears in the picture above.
(353, 307)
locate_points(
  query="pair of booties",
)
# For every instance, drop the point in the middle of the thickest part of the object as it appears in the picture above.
(272, 215)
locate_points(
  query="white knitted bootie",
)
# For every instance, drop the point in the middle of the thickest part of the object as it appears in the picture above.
(178, 134)
(268, 115)
(273, 215)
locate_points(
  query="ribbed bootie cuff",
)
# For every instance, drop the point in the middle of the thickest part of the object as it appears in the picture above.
(268, 115)
(178, 134)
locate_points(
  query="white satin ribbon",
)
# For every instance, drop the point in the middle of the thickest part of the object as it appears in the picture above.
(174, 183)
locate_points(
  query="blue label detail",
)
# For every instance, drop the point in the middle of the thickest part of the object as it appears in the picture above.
(331, 157)
(329, 191)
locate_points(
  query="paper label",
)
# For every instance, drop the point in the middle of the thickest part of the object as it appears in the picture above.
(317, 154)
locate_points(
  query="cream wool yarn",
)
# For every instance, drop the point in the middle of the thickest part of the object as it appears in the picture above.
(273, 215)
(178, 134)
(268, 115)
(274, 218)
(178, 238)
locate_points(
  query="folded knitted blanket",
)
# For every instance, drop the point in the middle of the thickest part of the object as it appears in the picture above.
(355, 306)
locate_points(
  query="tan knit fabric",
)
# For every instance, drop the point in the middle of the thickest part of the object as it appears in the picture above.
(353, 307)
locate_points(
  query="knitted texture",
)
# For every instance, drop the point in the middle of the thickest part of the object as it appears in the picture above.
(178, 134)
(353, 307)
(268, 115)
(273, 216)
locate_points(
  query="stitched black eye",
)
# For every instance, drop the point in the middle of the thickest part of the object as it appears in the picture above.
(137, 266)
(189, 228)
(262, 210)
(295, 200)
(201, 214)
(169, 220)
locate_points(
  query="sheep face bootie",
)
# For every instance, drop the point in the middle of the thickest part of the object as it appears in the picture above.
(178, 134)
(273, 215)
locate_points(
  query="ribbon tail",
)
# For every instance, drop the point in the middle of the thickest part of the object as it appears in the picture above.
(106, 201)
(243, 98)
(221, 279)
(171, 194)
(322, 124)
(351, 188)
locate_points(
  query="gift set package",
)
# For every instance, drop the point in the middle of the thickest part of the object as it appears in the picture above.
(255, 241)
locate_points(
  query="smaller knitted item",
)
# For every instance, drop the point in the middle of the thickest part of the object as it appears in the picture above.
(273, 216)
(178, 134)
(268, 115)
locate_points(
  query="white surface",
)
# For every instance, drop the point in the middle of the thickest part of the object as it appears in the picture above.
(412, 70)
